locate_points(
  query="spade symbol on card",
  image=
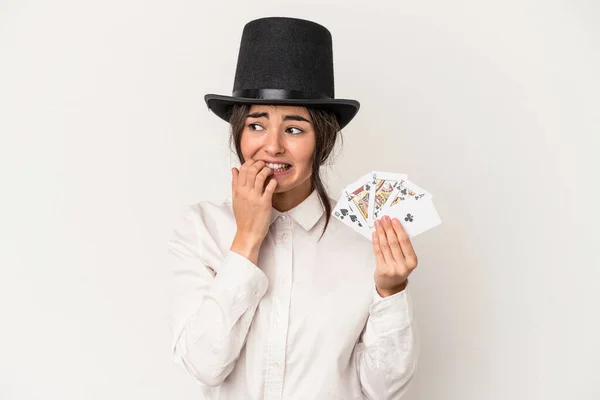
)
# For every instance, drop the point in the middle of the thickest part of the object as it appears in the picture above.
(355, 220)
(345, 213)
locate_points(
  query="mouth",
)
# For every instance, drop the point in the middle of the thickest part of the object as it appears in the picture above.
(278, 167)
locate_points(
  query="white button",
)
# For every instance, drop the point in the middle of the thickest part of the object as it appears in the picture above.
(276, 365)
(283, 236)
(283, 217)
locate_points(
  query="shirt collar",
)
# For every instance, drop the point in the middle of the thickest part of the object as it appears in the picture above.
(306, 213)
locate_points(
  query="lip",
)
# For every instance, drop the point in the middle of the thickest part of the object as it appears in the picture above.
(283, 172)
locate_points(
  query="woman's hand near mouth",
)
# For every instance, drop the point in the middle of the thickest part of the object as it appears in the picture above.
(252, 202)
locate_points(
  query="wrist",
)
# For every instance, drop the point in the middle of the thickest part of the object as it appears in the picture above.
(246, 246)
(391, 291)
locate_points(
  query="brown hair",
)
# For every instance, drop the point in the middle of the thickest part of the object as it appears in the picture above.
(327, 130)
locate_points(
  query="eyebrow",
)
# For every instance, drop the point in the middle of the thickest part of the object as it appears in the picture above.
(285, 118)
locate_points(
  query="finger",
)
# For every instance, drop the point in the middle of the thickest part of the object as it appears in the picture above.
(270, 189)
(234, 177)
(253, 170)
(392, 239)
(244, 172)
(261, 177)
(377, 248)
(407, 248)
(383, 243)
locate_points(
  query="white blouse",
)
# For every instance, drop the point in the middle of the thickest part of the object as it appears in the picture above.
(306, 323)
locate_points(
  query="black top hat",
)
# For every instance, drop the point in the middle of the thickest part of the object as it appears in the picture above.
(285, 61)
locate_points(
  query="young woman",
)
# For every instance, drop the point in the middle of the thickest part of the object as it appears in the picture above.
(273, 298)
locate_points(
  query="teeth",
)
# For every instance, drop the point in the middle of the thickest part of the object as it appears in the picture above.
(277, 166)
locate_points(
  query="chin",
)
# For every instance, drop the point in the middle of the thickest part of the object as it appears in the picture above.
(282, 189)
(288, 186)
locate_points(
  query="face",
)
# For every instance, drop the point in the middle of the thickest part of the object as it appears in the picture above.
(284, 137)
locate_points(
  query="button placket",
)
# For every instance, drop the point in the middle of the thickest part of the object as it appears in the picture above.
(280, 308)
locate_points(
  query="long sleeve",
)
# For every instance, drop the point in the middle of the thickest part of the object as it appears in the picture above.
(214, 296)
(386, 354)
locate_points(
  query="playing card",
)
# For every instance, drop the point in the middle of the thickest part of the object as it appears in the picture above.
(415, 216)
(379, 193)
(382, 185)
(358, 195)
(406, 190)
(344, 211)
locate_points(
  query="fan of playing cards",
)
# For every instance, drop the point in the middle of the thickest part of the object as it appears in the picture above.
(378, 193)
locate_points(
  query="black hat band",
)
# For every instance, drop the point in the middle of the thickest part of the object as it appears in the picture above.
(277, 94)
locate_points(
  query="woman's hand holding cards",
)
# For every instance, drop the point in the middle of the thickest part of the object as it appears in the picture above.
(395, 255)
(252, 203)
(388, 209)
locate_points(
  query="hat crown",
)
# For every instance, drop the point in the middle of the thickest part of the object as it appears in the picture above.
(285, 53)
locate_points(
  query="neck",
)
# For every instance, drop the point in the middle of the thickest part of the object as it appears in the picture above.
(289, 199)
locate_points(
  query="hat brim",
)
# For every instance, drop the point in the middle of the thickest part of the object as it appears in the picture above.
(344, 109)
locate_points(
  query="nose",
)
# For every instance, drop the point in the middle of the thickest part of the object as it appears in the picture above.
(273, 143)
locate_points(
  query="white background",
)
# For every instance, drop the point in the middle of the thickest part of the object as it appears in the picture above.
(493, 107)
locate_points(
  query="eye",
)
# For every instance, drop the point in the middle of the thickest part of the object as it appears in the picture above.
(251, 126)
(298, 130)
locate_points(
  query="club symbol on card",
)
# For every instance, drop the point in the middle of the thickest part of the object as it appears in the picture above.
(409, 217)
